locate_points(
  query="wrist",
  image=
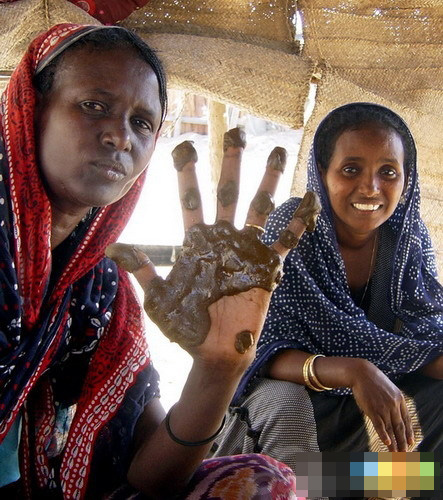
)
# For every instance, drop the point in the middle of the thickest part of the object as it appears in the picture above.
(358, 369)
(335, 371)
(206, 393)
(215, 375)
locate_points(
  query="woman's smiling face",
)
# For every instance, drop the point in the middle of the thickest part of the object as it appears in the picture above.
(365, 178)
(97, 127)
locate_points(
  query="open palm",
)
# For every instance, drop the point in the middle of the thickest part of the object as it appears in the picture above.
(214, 301)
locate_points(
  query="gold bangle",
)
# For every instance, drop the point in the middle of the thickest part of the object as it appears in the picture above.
(306, 366)
(312, 376)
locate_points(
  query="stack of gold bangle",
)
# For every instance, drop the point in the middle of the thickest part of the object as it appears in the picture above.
(309, 376)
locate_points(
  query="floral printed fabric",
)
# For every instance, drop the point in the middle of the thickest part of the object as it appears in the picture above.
(237, 477)
(243, 477)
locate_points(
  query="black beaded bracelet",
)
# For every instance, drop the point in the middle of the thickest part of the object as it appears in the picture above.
(191, 443)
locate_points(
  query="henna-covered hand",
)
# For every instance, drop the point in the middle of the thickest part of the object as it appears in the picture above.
(221, 283)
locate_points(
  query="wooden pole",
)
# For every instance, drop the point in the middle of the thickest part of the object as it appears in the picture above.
(217, 126)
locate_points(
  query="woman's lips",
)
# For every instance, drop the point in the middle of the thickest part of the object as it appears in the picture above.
(112, 170)
(367, 207)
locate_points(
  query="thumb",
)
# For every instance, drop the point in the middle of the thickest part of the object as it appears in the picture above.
(134, 259)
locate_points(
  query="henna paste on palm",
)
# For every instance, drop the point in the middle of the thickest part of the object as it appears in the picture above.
(244, 341)
(216, 260)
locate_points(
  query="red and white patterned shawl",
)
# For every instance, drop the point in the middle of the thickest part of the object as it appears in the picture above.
(122, 350)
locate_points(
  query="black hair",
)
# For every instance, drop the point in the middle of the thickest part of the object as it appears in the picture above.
(106, 39)
(354, 115)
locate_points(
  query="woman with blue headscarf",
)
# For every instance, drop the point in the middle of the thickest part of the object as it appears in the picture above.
(350, 358)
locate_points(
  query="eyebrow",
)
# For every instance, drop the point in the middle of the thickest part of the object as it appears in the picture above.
(149, 111)
(390, 160)
(384, 160)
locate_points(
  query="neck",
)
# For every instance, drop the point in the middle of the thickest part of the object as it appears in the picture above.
(359, 258)
(354, 241)
(63, 224)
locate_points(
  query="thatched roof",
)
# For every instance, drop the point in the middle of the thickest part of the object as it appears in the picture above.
(244, 52)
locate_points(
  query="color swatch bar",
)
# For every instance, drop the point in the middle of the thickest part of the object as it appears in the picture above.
(369, 474)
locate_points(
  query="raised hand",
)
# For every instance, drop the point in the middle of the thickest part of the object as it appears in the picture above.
(214, 301)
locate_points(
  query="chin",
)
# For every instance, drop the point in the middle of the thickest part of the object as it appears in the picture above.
(104, 200)
(368, 229)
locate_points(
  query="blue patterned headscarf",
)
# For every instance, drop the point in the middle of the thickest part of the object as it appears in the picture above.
(312, 308)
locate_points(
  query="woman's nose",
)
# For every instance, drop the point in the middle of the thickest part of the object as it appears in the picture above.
(369, 185)
(116, 135)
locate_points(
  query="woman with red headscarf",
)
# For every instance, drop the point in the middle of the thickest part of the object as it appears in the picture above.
(78, 393)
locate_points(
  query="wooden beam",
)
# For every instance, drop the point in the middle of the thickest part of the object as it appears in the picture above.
(217, 126)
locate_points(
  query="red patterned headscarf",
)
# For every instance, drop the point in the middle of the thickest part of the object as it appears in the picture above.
(106, 11)
(109, 11)
(34, 326)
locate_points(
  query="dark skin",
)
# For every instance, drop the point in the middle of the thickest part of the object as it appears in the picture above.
(217, 367)
(96, 132)
(114, 126)
(364, 181)
(434, 369)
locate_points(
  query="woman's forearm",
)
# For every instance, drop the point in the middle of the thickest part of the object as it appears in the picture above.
(332, 371)
(162, 467)
(434, 369)
(375, 395)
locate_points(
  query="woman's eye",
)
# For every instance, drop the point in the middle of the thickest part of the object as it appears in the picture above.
(92, 106)
(389, 172)
(142, 124)
(350, 169)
